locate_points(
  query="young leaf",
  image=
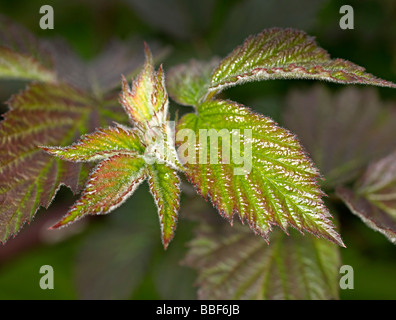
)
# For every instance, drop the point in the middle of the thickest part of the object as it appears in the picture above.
(41, 115)
(286, 54)
(374, 197)
(269, 180)
(147, 103)
(232, 263)
(164, 185)
(112, 182)
(343, 131)
(100, 145)
(128, 156)
(188, 83)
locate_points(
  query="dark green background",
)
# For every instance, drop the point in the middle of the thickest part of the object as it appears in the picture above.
(197, 29)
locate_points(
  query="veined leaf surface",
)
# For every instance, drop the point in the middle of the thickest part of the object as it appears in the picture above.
(286, 54)
(110, 184)
(129, 155)
(269, 181)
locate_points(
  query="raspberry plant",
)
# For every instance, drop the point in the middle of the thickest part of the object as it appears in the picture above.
(87, 136)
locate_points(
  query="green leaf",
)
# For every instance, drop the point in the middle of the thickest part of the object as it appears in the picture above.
(286, 54)
(100, 145)
(112, 182)
(43, 114)
(164, 185)
(128, 155)
(342, 131)
(188, 83)
(270, 180)
(147, 102)
(232, 263)
(373, 198)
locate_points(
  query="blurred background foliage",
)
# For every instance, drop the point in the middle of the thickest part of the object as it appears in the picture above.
(127, 242)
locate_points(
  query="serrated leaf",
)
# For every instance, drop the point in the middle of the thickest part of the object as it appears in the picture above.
(373, 198)
(43, 114)
(112, 182)
(286, 54)
(188, 83)
(147, 102)
(147, 107)
(270, 180)
(101, 145)
(128, 155)
(164, 185)
(342, 131)
(232, 263)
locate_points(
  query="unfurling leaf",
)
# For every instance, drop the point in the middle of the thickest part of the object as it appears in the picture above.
(147, 103)
(261, 173)
(374, 197)
(232, 263)
(343, 131)
(286, 54)
(129, 155)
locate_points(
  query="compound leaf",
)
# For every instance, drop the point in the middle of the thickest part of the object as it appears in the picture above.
(129, 155)
(261, 172)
